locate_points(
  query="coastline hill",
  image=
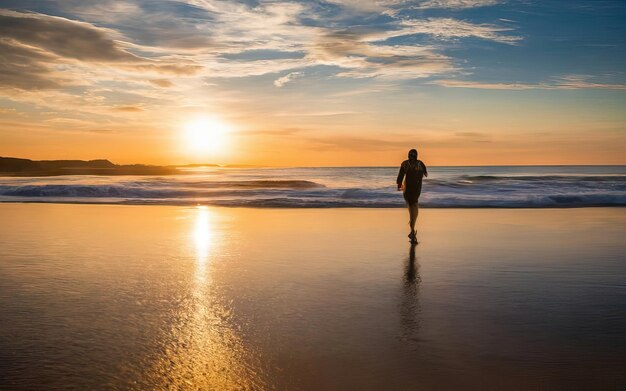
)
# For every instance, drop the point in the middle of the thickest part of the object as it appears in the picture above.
(10, 166)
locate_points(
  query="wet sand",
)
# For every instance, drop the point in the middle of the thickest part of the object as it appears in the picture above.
(162, 297)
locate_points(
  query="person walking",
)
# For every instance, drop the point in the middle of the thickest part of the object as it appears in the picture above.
(412, 171)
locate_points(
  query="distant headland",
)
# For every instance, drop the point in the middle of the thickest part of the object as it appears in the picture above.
(10, 166)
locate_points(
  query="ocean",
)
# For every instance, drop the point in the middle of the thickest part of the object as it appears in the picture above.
(323, 187)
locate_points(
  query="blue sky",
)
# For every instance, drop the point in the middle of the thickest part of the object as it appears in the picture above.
(318, 75)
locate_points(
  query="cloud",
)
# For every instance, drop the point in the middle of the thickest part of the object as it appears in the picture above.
(226, 69)
(272, 132)
(40, 51)
(367, 5)
(156, 24)
(281, 81)
(583, 81)
(370, 89)
(315, 113)
(178, 45)
(184, 68)
(27, 68)
(63, 37)
(234, 33)
(570, 82)
(448, 28)
(393, 7)
(486, 86)
(358, 143)
(350, 49)
(240, 33)
(475, 137)
(128, 109)
(361, 51)
(164, 83)
(458, 4)
(237, 27)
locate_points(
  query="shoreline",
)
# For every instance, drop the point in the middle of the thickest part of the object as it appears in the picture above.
(208, 205)
(336, 188)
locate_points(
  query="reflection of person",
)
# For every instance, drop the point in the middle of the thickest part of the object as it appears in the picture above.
(410, 306)
(414, 170)
(411, 270)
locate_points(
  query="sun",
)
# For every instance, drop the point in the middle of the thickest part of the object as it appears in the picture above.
(206, 135)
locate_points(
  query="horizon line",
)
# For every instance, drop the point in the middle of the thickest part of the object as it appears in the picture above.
(235, 165)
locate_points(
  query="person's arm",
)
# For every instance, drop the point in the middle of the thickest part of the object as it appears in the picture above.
(425, 170)
(400, 176)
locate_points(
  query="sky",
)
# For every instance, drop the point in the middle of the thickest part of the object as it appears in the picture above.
(314, 83)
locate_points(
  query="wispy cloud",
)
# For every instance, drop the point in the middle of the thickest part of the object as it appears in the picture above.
(447, 28)
(163, 83)
(315, 113)
(359, 51)
(358, 143)
(272, 132)
(354, 51)
(570, 82)
(128, 109)
(459, 4)
(210, 37)
(281, 81)
(476, 137)
(168, 25)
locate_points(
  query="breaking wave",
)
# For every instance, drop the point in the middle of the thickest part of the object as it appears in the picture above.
(333, 187)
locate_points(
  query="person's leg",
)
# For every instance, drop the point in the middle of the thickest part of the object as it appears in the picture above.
(413, 212)
(417, 212)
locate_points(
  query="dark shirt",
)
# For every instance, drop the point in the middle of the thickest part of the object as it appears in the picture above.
(414, 172)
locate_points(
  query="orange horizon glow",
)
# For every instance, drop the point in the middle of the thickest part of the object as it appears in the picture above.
(230, 84)
(173, 149)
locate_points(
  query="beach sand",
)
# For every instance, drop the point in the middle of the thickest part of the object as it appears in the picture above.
(164, 297)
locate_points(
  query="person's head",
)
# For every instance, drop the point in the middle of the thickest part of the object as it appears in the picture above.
(413, 154)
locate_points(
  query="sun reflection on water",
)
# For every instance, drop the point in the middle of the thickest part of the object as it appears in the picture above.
(203, 236)
(202, 349)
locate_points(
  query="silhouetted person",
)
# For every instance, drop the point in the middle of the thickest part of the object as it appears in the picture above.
(414, 170)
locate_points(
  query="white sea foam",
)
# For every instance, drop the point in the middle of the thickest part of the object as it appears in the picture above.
(516, 187)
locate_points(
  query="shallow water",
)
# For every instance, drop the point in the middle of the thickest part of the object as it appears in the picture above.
(323, 187)
(158, 297)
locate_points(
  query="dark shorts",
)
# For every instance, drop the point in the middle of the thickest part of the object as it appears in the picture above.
(411, 197)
